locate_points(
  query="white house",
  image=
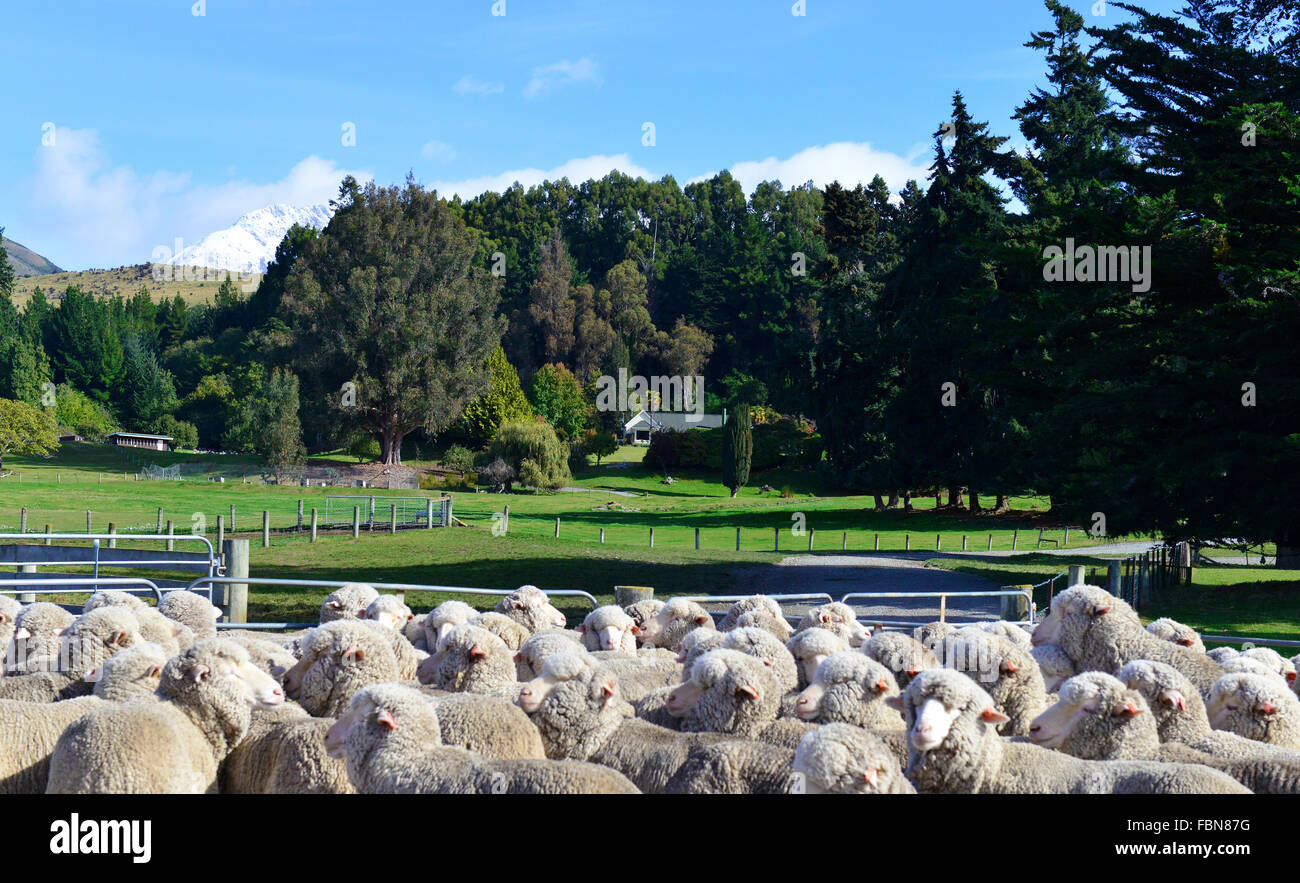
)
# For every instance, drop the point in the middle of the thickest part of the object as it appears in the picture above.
(637, 431)
(139, 440)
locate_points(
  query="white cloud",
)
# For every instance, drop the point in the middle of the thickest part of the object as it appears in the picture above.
(97, 214)
(562, 73)
(575, 170)
(438, 150)
(849, 162)
(468, 85)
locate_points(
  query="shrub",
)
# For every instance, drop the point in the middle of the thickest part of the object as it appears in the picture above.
(499, 475)
(459, 458)
(363, 447)
(430, 481)
(536, 441)
(184, 434)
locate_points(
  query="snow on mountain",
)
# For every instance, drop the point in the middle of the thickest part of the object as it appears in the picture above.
(250, 244)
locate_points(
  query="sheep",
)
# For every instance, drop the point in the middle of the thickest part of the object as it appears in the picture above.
(338, 659)
(1180, 717)
(735, 766)
(534, 652)
(91, 639)
(408, 660)
(472, 660)
(389, 611)
(849, 688)
(1003, 629)
(33, 728)
(728, 692)
(844, 759)
(1222, 654)
(113, 598)
(678, 617)
(413, 631)
(172, 636)
(1097, 717)
(442, 619)
(1248, 665)
(932, 635)
(754, 603)
(9, 610)
(578, 710)
(955, 748)
(763, 645)
(640, 611)
(530, 607)
(38, 632)
(1276, 662)
(1175, 632)
(270, 657)
(609, 628)
(1055, 667)
(192, 610)
(174, 745)
(643, 674)
(1260, 707)
(391, 740)
(776, 626)
(902, 654)
(836, 617)
(348, 601)
(653, 705)
(809, 647)
(492, 726)
(1006, 672)
(283, 752)
(511, 633)
(1099, 632)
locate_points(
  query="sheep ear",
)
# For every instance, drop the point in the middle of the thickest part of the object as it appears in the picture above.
(701, 619)
(1099, 610)
(582, 629)
(1187, 642)
(155, 672)
(199, 673)
(1130, 709)
(882, 685)
(747, 690)
(894, 702)
(636, 630)
(1010, 667)
(1266, 707)
(477, 652)
(119, 638)
(1174, 699)
(519, 656)
(334, 605)
(517, 604)
(991, 715)
(91, 675)
(385, 717)
(607, 688)
(355, 653)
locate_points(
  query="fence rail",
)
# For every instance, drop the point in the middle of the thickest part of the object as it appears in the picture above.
(95, 583)
(1155, 570)
(95, 555)
(1027, 621)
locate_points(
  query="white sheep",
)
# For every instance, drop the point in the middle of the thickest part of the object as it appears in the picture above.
(609, 628)
(844, 759)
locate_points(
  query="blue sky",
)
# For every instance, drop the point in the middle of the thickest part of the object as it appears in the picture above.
(169, 124)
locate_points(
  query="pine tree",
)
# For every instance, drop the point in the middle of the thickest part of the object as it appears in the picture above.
(737, 450)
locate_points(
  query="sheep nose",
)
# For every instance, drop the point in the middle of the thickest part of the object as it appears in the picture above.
(278, 692)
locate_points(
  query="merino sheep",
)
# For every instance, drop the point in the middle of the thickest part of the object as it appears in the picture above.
(439, 621)
(735, 766)
(38, 633)
(283, 752)
(348, 601)
(1175, 632)
(174, 745)
(269, 656)
(133, 671)
(932, 635)
(764, 645)
(1259, 707)
(776, 626)
(640, 611)
(1007, 672)
(836, 617)
(753, 603)
(1222, 654)
(172, 636)
(193, 611)
(492, 726)
(678, 617)
(609, 628)
(1274, 661)
(472, 660)
(809, 647)
(413, 631)
(511, 633)
(850, 688)
(1099, 632)
(391, 741)
(1003, 629)
(1097, 717)
(901, 653)
(1248, 665)
(389, 611)
(338, 659)
(113, 598)
(1054, 665)
(9, 610)
(727, 692)
(1180, 717)
(534, 652)
(844, 759)
(637, 676)
(530, 607)
(955, 748)
(86, 643)
(653, 705)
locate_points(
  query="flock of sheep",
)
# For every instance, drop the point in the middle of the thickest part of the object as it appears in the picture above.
(655, 698)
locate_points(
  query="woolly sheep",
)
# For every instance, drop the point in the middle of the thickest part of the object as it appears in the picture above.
(1055, 667)
(1006, 672)
(1222, 654)
(38, 632)
(442, 619)
(764, 645)
(653, 705)
(809, 647)
(1099, 632)
(283, 752)
(113, 598)
(1248, 665)
(850, 688)
(534, 652)
(1003, 629)
(1180, 717)
(735, 766)
(1276, 662)
(174, 745)
(9, 610)
(511, 633)
(776, 626)
(1259, 707)
(678, 617)
(390, 739)
(901, 653)
(472, 660)
(83, 645)
(172, 636)
(643, 610)
(348, 601)
(751, 604)
(338, 659)
(646, 672)
(1175, 632)
(267, 655)
(492, 726)
(1097, 717)
(932, 635)
(192, 610)
(955, 748)
(728, 692)
(836, 617)
(134, 671)
(844, 759)
(530, 607)
(389, 611)
(609, 628)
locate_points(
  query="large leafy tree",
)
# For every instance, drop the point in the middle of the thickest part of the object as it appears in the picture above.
(503, 402)
(25, 429)
(390, 299)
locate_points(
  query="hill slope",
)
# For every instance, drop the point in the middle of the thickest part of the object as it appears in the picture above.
(125, 281)
(27, 262)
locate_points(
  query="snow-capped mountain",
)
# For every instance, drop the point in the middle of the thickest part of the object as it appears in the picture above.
(250, 244)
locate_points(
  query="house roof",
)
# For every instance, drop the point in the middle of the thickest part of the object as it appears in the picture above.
(140, 435)
(675, 420)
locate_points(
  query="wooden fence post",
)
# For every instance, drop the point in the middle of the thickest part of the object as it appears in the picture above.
(313, 524)
(232, 517)
(602, 535)
(963, 542)
(505, 519)
(937, 541)
(737, 539)
(844, 541)
(811, 533)
(776, 539)
(1066, 542)
(370, 519)
(990, 542)
(221, 531)
(236, 554)
(300, 515)
(112, 530)
(22, 521)
(697, 539)
(557, 527)
(428, 514)
(160, 521)
(652, 538)
(877, 542)
(392, 517)
(1040, 538)
(171, 532)
(356, 522)
(1015, 537)
(266, 529)
(907, 542)
(88, 522)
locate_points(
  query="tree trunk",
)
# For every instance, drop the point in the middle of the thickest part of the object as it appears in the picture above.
(734, 491)
(1288, 548)
(1001, 505)
(907, 501)
(893, 500)
(938, 499)
(390, 445)
(954, 498)
(880, 504)
(974, 500)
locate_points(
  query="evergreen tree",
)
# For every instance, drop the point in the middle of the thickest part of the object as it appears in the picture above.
(737, 450)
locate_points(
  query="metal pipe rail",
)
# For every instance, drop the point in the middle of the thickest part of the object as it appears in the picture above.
(943, 597)
(214, 559)
(1238, 639)
(93, 581)
(819, 597)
